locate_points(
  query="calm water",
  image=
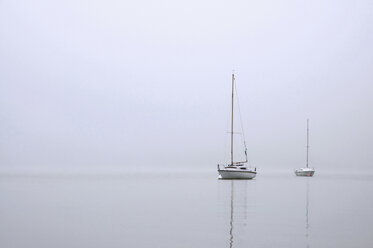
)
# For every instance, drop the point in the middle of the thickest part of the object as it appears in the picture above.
(169, 209)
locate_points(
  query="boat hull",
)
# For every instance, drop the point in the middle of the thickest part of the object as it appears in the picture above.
(236, 174)
(304, 173)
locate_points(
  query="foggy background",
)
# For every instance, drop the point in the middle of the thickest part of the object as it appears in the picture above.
(132, 84)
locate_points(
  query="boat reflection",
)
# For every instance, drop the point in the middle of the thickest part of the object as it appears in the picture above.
(238, 207)
(307, 215)
(231, 221)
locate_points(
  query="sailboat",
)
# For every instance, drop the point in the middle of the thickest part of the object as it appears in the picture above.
(307, 171)
(236, 170)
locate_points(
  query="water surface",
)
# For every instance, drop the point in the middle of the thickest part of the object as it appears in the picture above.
(174, 209)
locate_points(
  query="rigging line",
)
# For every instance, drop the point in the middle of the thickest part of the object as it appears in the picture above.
(227, 121)
(243, 133)
(239, 112)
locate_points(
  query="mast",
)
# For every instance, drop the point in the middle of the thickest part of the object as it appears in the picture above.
(232, 120)
(307, 142)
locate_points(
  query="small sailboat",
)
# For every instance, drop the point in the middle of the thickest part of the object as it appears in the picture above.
(307, 171)
(236, 170)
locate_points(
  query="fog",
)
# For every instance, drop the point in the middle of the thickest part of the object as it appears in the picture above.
(132, 84)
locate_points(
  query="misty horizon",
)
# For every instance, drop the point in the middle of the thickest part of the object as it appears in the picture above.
(118, 84)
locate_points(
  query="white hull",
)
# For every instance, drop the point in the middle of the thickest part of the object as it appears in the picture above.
(304, 172)
(236, 174)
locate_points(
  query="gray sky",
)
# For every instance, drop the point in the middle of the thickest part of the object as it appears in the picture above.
(117, 83)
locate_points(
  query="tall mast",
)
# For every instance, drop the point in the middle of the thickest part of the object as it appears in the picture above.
(232, 120)
(307, 142)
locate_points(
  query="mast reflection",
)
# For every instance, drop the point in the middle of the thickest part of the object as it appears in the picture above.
(231, 221)
(238, 202)
(307, 217)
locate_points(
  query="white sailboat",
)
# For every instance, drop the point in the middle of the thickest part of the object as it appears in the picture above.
(235, 170)
(307, 171)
